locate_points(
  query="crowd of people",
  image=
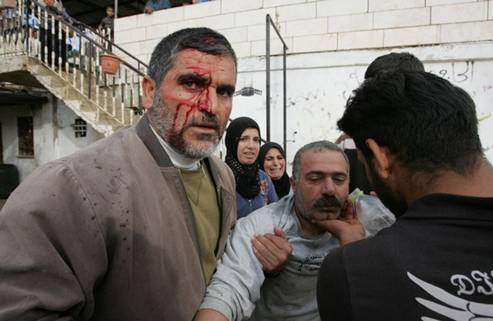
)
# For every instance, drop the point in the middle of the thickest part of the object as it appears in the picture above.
(154, 5)
(59, 34)
(68, 44)
(148, 224)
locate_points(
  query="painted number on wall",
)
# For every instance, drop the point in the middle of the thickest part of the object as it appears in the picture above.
(456, 72)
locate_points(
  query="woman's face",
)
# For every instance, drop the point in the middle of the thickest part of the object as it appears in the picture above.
(274, 164)
(248, 146)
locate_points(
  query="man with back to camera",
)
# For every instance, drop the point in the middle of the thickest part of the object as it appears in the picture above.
(240, 290)
(418, 137)
(131, 227)
(387, 62)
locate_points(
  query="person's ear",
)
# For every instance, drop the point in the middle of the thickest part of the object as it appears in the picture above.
(292, 181)
(382, 159)
(149, 91)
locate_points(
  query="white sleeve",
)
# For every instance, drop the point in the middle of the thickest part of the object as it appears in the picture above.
(235, 287)
(373, 214)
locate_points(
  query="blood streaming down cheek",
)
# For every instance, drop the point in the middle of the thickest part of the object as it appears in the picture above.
(199, 102)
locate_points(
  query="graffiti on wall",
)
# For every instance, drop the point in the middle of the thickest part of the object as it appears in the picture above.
(469, 75)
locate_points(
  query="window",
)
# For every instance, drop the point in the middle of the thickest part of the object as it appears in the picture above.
(80, 127)
(26, 137)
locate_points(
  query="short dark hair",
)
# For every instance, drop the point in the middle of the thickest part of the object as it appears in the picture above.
(317, 146)
(424, 120)
(394, 61)
(203, 39)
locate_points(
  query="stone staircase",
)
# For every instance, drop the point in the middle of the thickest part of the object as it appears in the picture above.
(105, 101)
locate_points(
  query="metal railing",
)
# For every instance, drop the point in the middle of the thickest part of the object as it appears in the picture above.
(73, 51)
(268, 24)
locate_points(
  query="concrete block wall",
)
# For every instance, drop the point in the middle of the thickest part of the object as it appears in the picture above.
(317, 25)
(330, 43)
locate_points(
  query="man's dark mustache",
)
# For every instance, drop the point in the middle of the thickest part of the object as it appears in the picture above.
(202, 124)
(207, 120)
(329, 201)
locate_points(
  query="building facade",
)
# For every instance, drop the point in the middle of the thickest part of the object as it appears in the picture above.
(330, 44)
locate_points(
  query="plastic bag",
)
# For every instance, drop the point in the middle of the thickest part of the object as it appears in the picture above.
(371, 212)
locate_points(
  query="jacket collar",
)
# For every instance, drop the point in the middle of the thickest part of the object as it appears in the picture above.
(144, 131)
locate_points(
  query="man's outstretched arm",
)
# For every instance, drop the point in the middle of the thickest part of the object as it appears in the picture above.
(235, 287)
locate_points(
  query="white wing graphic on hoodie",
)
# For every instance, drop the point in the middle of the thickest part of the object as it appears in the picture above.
(450, 306)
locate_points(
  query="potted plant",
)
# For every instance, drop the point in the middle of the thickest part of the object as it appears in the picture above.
(8, 4)
(110, 63)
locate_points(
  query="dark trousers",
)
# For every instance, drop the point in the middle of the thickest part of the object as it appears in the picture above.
(53, 44)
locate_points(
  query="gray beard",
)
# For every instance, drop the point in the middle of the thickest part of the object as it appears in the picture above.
(162, 122)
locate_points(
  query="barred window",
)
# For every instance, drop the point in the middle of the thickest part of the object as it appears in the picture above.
(80, 127)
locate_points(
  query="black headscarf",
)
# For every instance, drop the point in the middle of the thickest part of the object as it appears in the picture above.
(246, 176)
(282, 185)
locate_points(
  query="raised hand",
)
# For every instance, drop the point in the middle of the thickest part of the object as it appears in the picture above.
(347, 228)
(272, 250)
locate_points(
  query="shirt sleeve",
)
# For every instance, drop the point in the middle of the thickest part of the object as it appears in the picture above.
(51, 249)
(373, 215)
(333, 295)
(235, 287)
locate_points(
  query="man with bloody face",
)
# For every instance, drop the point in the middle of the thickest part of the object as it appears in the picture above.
(131, 227)
(191, 101)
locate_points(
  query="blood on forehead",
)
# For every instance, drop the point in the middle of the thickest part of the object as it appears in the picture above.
(205, 67)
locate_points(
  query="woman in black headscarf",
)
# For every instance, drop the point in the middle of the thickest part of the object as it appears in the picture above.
(254, 187)
(272, 161)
